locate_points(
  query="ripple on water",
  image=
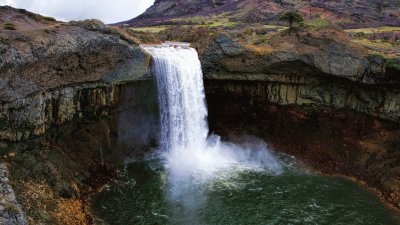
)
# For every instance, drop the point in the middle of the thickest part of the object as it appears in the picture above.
(241, 196)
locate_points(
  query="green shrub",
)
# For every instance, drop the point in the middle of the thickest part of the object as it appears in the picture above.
(360, 35)
(48, 18)
(9, 26)
(40, 17)
(262, 41)
(11, 209)
(394, 63)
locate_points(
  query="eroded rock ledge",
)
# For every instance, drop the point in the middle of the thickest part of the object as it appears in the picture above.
(52, 72)
(314, 68)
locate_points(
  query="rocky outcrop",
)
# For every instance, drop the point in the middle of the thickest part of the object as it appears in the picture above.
(311, 68)
(328, 52)
(10, 211)
(52, 72)
(34, 115)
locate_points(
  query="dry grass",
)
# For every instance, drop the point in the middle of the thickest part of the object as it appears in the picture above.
(318, 23)
(155, 29)
(70, 211)
(276, 27)
(374, 44)
(379, 47)
(258, 50)
(379, 40)
(373, 30)
(38, 198)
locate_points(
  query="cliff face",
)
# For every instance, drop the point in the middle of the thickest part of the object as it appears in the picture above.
(334, 141)
(52, 72)
(65, 92)
(320, 68)
(314, 95)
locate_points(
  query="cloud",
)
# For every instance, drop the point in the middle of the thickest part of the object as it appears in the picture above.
(109, 11)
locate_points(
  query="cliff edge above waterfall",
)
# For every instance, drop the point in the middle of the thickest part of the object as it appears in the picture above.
(39, 53)
(51, 70)
(259, 54)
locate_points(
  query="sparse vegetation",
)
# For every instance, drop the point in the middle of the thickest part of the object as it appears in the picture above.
(389, 36)
(199, 36)
(48, 18)
(155, 29)
(9, 26)
(380, 40)
(373, 29)
(143, 37)
(39, 17)
(394, 63)
(318, 23)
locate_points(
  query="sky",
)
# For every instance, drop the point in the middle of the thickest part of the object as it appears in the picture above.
(109, 11)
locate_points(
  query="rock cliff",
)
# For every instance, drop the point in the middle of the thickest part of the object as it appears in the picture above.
(312, 94)
(53, 71)
(318, 67)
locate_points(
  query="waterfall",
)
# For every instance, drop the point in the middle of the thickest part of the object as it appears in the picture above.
(181, 97)
(192, 156)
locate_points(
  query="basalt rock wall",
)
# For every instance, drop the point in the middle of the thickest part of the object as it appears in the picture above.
(318, 69)
(53, 72)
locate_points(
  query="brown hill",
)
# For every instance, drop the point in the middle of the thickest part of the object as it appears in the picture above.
(347, 13)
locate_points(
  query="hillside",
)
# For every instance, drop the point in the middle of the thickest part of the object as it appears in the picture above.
(346, 13)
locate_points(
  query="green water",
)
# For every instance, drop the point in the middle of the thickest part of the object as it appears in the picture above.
(243, 197)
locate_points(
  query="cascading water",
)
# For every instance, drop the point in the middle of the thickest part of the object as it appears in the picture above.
(192, 157)
(181, 98)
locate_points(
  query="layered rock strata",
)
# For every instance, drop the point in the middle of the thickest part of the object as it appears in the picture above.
(52, 72)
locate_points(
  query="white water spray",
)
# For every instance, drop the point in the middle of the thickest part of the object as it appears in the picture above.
(193, 157)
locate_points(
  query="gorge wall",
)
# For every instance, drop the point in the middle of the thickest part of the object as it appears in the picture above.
(75, 98)
(333, 107)
(53, 72)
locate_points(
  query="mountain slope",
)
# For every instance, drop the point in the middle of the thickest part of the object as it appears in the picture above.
(348, 13)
